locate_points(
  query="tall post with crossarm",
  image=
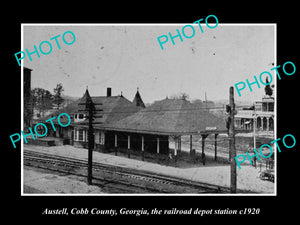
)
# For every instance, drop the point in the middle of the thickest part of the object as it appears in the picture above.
(90, 110)
(231, 133)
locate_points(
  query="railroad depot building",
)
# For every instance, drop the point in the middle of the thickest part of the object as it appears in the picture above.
(109, 108)
(121, 124)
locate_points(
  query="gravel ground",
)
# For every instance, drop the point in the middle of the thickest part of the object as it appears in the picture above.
(40, 182)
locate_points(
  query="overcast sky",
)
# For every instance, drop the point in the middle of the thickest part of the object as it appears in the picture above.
(125, 57)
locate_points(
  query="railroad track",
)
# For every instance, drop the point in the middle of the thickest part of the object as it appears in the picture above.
(117, 179)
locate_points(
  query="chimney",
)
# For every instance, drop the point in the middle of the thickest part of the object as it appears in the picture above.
(108, 92)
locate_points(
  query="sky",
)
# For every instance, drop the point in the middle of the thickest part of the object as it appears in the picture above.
(125, 57)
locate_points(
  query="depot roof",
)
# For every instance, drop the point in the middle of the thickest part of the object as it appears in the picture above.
(170, 116)
(107, 109)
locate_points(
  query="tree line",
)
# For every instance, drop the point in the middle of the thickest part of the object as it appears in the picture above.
(42, 99)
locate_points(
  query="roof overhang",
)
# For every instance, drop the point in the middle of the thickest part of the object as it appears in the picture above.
(170, 133)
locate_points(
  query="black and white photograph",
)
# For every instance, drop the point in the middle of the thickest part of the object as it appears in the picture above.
(149, 109)
(185, 118)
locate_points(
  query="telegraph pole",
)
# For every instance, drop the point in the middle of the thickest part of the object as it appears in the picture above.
(232, 150)
(90, 105)
(90, 109)
(254, 133)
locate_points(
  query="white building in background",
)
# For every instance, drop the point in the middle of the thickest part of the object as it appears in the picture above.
(262, 111)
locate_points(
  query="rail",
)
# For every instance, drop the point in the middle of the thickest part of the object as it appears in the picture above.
(79, 167)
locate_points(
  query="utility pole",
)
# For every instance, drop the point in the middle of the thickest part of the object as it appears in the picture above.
(254, 133)
(231, 134)
(91, 142)
(90, 110)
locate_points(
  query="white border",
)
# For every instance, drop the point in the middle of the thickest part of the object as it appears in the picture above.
(275, 110)
(22, 112)
(150, 24)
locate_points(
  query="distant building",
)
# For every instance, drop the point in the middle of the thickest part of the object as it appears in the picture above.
(27, 97)
(263, 112)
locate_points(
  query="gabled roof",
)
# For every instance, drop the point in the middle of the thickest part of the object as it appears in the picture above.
(169, 116)
(107, 109)
(112, 109)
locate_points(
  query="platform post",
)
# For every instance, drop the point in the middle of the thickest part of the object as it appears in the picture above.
(216, 136)
(157, 149)
(143, 153)
(128, 150)
(191, 145)
(116, 144)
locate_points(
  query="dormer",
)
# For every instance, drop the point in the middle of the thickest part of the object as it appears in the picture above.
(79, 117)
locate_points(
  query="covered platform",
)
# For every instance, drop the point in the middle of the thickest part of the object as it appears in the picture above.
(150, 128)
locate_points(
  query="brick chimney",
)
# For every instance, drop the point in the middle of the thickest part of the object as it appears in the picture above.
(108, 92)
